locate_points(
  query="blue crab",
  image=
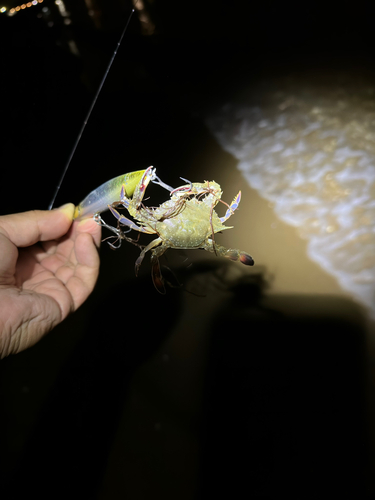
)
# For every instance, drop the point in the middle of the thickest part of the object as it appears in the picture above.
(187, 221)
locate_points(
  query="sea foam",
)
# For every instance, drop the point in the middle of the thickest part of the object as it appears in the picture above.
(309, 148)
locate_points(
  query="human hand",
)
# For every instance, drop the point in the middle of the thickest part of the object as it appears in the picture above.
(48, 267)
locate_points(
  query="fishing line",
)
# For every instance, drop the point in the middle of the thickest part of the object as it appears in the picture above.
(90, 110)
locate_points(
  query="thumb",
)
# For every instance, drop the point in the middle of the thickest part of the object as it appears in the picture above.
(25, 229)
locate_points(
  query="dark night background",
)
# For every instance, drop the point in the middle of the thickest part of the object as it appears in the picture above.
(125, 399)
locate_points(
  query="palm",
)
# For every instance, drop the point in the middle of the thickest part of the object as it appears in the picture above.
(42, 283)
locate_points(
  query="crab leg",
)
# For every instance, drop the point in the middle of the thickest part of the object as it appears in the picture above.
(157, 277)
(233, 206)
(156, 180)
(127, 222)
(188, 188)
(229, 253)
(151, 245)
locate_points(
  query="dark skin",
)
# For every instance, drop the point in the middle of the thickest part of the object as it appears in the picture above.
(49, 265)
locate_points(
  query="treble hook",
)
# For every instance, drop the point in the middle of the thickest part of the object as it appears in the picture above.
(118, 232)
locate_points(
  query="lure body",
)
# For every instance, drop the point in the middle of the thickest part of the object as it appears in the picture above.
(106, 194)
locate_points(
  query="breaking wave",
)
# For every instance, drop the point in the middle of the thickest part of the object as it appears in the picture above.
(309, 148)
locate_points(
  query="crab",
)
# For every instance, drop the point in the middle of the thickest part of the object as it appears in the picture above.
(186, 221)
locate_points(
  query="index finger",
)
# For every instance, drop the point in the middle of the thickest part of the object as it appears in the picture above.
(26, 228)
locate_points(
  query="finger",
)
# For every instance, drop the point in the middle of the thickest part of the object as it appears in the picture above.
(55, 253)
(91, 227)
(59, 256)
(8, 259)
(86, 271)
(76, 275)
(27, 228)
(63, 247)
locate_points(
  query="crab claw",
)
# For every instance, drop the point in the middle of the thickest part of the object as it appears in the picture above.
(243, 257)
(230, 253)
(141, 187)
(246, 259)
(147, 177)
(233, 206)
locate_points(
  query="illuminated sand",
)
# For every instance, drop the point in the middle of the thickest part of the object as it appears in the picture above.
(308, 146)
